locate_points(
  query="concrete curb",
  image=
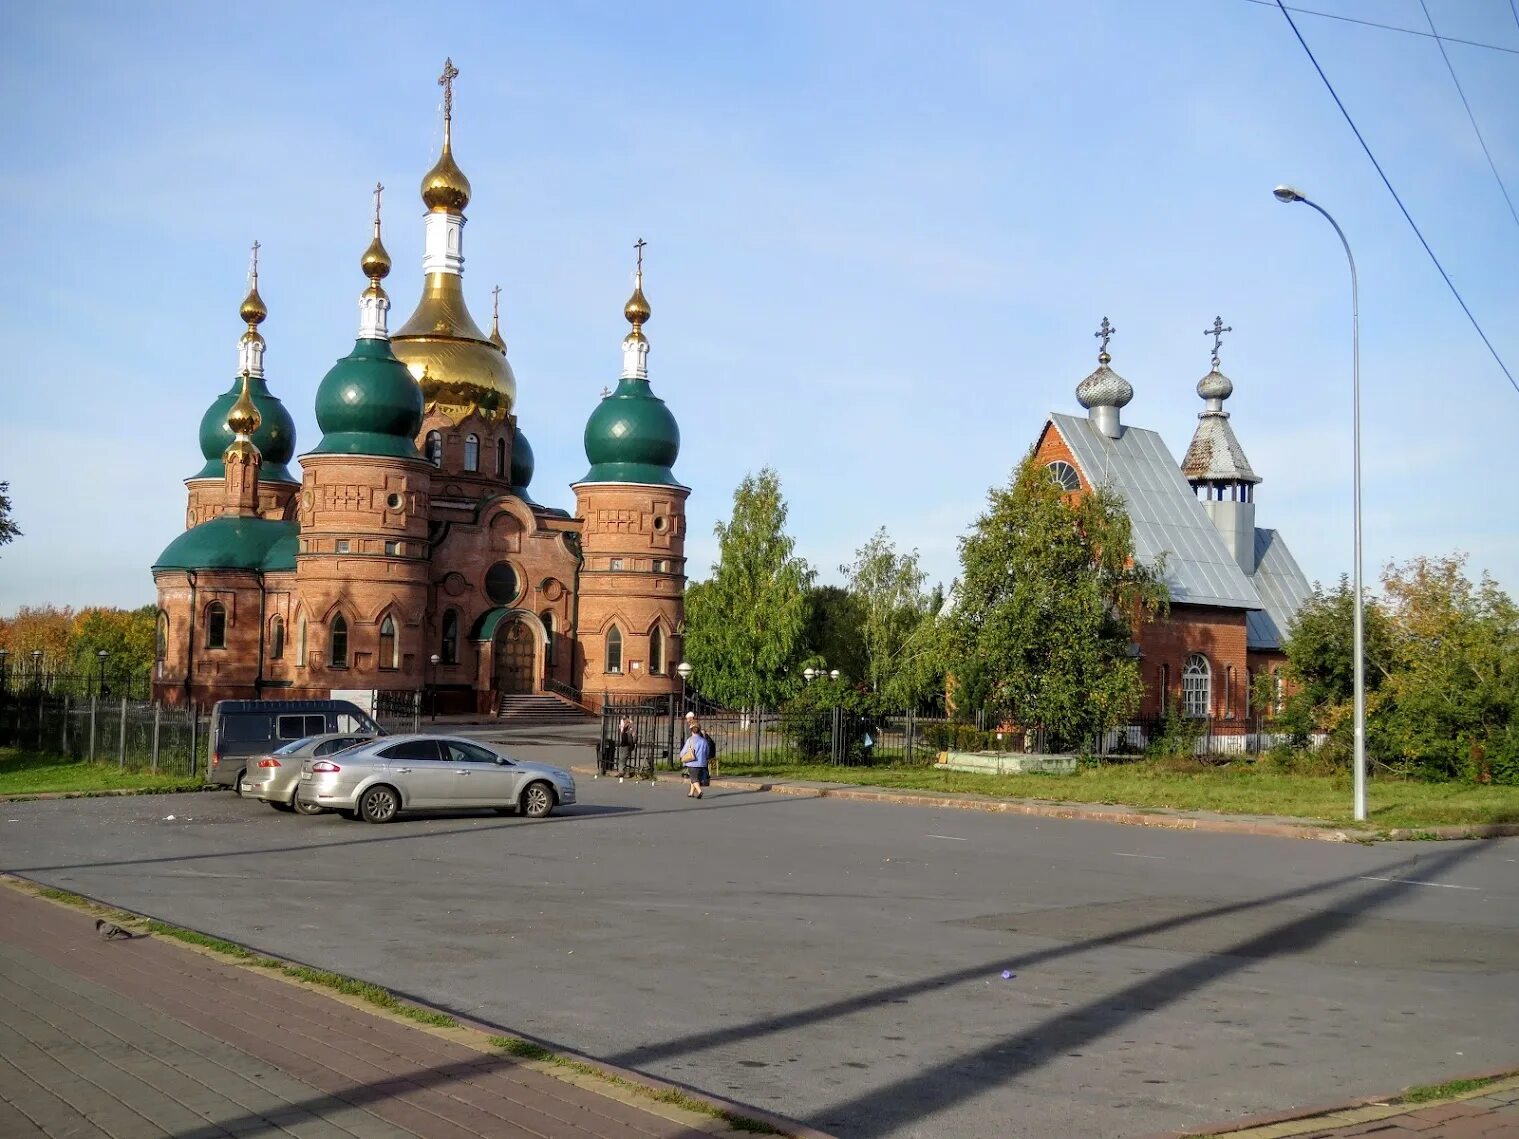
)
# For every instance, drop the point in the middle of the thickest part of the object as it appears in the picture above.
(471, 1032)
(1313, 1117)
(1126, 816)
(104, 793)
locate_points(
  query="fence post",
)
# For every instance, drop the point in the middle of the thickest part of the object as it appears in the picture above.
(64, 742)
(911, 728)
(416, 713)
(194, 743)
(94, 715)
(158, 711)
(121, 738)
(40, 705)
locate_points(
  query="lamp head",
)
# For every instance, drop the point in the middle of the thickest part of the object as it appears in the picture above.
(834, 675)
(436, 659)
(808, 674)
(102, 654)
(684, 669)
(1287, 194)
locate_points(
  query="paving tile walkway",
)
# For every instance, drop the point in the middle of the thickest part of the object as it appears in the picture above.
(145, 1038)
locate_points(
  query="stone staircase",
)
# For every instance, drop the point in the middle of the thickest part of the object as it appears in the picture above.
(527, 710)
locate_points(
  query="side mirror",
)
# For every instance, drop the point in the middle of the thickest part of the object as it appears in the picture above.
(502, 761)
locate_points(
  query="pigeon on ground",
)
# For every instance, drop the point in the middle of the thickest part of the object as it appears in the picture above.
(109, 932)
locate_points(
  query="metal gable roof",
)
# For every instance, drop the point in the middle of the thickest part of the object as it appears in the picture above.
(1166, 516)
(1282, 589)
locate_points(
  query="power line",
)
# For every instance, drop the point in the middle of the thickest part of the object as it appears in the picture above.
(1514, 8)
(1394, 27)
(1452, 69)
(1407, 216)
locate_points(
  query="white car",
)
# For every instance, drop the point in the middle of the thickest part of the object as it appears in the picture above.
(378, 780)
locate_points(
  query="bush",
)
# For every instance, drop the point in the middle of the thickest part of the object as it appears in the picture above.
(1177, 736)
(960, 737)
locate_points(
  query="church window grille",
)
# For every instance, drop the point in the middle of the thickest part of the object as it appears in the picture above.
(501, 457)
(337, 642)
(300, 644)
(1196, 687)
(657, 652)
(548, 638)
(161, 640)
(435, 448)
(450, 646)
(216, 625)
(1064, 474)
(472, 452)
(277, 639)
(342, 545)
(614, 650)
(389, 656)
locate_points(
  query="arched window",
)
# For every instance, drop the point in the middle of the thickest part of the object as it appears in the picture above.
(450, 647)
(337, 643)
(472, 452)
(1064, 474)
(656, 651)
(501, 457)
(300, 644)
(161, 637)
(277, 639)
(216, 625)
(614, 649)
(435, 448)
(1196, 687)
(388, 655)
(547, 617)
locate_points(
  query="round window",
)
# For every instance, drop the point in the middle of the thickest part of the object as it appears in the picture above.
(660, 522)
(501, 584)
(393, 501)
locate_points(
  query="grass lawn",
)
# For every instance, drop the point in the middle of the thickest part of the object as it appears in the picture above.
(24, 772)
(1238, 789)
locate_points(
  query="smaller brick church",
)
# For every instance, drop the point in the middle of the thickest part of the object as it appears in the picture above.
(408, 552)
(1235, 587)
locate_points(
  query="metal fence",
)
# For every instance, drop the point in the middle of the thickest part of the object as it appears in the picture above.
(131, 733)
(21, 677)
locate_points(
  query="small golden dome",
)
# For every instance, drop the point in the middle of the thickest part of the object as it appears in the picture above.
(244, 418)
(253, 310)
(445, 187)
(376, 262)
(637, 309)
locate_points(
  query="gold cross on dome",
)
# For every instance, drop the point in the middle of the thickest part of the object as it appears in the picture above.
(253, 265)
(378, 190)
(446, 81)
(1217, 332)
(638, 245)
(1104, 334)
(496, 303)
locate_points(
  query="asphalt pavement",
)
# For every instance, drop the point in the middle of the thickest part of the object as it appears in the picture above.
(874, 970)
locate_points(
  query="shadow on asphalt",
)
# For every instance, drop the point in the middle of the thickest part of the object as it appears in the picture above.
(964, 1075)
(578, 814)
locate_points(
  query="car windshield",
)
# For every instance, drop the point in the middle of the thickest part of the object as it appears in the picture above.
(294, 746)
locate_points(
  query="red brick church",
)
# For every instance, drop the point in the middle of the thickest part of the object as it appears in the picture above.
(1235, 587)
(408, 551)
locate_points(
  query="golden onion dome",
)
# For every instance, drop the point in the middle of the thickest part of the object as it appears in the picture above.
(244, 418)
(637, 309)
(445, 187)
(253, 311)
(376, 262)
(461, 371)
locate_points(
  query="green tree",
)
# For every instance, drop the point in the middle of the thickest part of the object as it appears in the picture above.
(744, 626)
(889, 589)
(1320, 661)
(8, 529)
(126, 635)
(1049, 596)
(832, 633)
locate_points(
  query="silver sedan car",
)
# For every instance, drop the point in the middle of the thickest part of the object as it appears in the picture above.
(273, 778)
(378, 780)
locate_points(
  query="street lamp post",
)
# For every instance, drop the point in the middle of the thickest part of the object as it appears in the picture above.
(684, 670)
(37, 667)
(100, 683)
(4, 671)
(1289, 195)
(433, 688)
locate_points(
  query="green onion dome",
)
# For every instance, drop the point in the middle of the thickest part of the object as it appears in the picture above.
(522, 464)
(275, 437)
(632, 437)
(368, 404)
(232, 542)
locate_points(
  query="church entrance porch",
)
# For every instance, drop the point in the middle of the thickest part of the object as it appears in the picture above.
(516, 658)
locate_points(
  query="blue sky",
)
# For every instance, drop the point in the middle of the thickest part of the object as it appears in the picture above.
(880, 238)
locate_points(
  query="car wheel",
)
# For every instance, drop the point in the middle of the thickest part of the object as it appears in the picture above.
(379, 804)
(278, 806)
(537, 800)
(237, 784)
(301, 807)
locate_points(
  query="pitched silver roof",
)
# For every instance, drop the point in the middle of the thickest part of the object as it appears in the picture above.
(1282, 589)
(1166, 516)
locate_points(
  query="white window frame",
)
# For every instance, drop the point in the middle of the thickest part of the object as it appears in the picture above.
(1197, 688)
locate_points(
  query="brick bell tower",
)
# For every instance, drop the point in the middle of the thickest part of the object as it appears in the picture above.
(633, 574)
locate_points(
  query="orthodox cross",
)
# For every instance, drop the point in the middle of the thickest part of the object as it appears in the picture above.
(496, 304)
(446, 81)
(378, 190)
(253, 266)
(638, 245)
(1104, 334)
(1217, 332)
